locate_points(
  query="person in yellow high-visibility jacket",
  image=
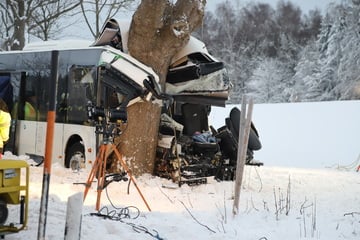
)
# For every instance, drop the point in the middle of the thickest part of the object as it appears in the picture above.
(5, 120)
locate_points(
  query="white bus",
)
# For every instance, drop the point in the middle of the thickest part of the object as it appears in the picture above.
(85, 74)
(105, 76)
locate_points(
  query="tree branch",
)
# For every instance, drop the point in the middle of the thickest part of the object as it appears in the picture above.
(195, 218)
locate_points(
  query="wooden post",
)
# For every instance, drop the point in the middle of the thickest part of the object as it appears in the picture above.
(73, 217)
(244, 131)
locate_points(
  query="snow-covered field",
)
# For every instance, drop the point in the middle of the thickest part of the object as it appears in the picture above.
(323, 203)
(306, 135)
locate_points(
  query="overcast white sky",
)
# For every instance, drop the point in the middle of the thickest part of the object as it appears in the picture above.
(78, 31)
(305, 5)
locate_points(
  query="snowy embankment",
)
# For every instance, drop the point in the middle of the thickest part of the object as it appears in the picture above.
(307, 201)
(309, 135)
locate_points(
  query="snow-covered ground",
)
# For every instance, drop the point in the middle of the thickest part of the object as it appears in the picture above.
(323, 202)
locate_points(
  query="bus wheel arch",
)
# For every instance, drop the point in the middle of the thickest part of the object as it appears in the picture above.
(75, 153)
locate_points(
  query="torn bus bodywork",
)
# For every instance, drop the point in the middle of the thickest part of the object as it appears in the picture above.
(188, 149)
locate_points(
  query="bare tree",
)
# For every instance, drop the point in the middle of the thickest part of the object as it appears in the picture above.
(38, 17)
(4, 27)
(44, 22)
(13, 15)
(95, 12)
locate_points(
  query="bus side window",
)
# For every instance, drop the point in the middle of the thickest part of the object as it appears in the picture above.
(28, 103)
(81, 90)
(36, 95)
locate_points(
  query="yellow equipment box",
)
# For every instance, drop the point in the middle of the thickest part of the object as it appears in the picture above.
(14, 190)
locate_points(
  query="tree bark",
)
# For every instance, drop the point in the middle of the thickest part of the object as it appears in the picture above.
(18, 41)
(159, 29)
(137, 143)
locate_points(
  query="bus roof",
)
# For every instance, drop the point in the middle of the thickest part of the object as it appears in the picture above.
(57, 45)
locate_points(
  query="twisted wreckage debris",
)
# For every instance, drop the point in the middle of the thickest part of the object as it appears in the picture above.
(188, 149)
(189, 152)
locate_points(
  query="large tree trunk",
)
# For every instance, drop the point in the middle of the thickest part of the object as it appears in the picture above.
(159, 29)
(138, 141)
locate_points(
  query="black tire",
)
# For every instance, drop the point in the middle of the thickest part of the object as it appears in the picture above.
(4, 212)
(75, 155)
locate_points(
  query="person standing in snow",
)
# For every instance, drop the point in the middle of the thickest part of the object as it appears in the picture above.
(5, 120)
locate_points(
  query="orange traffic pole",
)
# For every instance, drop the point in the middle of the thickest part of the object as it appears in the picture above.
(49, 145)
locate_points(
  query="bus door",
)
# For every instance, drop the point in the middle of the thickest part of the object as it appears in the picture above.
(29, 110)
(26, 136)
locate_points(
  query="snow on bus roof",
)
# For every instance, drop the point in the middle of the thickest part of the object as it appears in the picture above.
(58, 45)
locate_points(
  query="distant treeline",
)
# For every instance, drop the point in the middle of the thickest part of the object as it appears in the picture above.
(285, 55)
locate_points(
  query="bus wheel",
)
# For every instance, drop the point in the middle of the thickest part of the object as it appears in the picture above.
(75, 157)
